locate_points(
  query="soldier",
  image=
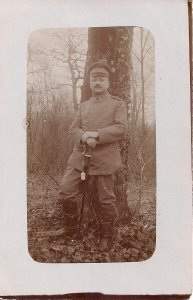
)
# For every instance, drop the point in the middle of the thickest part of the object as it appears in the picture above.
(101, 122)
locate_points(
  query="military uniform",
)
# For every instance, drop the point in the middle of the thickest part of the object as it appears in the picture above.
(107, 115)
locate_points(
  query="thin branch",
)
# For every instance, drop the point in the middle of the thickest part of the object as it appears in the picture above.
(145, 41)
(60, 59)
(148, 161)
(136, 56)
(147, 50)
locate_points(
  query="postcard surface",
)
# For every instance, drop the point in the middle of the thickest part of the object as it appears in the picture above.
(95, 148)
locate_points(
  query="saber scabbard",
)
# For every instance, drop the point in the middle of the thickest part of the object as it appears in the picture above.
(86, 155)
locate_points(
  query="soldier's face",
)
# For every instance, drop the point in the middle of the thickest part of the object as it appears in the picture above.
(99, 84)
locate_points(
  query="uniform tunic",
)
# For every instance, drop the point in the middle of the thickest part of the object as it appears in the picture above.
(107, 115)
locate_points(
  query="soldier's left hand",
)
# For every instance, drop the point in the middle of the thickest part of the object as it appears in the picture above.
(91, 142)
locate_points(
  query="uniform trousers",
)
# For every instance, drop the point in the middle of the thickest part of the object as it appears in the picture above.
(71, 192)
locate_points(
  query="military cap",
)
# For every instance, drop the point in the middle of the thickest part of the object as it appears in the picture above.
(95, 69)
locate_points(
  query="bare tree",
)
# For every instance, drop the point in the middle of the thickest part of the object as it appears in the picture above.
(141, 160)
(49, 115)
(73, 55)
(146, 70)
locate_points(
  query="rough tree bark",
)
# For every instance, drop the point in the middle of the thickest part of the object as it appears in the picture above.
(113, 46)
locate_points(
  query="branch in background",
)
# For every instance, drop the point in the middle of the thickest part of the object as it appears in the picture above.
(47, 172)
(144, 44)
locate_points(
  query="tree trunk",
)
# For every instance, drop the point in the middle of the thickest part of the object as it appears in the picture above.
(112, 45)
(142, 89)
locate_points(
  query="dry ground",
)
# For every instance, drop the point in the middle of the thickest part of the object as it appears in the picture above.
(134, 239)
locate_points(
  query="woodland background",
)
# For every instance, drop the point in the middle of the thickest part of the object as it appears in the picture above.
(57, 83)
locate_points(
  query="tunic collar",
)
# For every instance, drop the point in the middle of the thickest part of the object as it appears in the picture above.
(100, 98)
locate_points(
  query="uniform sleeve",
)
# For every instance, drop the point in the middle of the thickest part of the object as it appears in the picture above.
(118, 130)
(75, 129)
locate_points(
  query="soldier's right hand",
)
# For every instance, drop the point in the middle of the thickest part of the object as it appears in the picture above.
(91, 142)
(84, 137)
(89, 134)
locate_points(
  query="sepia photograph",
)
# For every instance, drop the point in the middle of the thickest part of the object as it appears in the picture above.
(91, 145)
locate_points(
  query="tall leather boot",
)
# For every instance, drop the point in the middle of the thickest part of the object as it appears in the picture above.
(70, 219)
(106, 236)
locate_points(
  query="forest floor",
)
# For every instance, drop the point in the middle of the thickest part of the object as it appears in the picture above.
(134, 239)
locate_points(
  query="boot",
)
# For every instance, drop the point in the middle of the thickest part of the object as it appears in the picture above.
(70, 219)
(106, 239)
(105, 244)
